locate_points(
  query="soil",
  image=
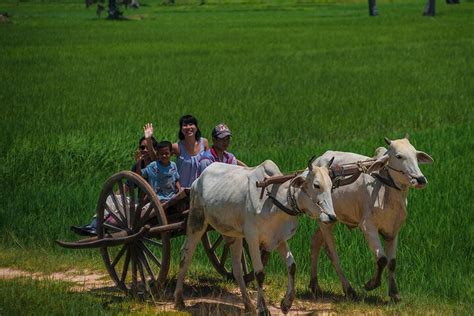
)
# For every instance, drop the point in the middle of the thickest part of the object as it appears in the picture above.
(203, 299)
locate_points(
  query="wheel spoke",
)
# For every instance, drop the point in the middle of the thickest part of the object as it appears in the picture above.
(118, 220)
(114, 228)
(146, 214)
(131, 207)
(119, 256)
(138, 211)
(134, 271)
(145, 263)
(217, 243)
(224, 255)
(123, 195)
(153, 242)
(122, 219)
(140, 269)
(125, 266)
(151, 255)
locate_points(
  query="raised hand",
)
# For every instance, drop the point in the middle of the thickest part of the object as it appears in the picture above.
(148, 130)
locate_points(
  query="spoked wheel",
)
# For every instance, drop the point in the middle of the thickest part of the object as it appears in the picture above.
(127, 203)
(217, 249)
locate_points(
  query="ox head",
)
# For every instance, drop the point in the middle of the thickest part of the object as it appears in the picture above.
(315, 195)
(402, 160)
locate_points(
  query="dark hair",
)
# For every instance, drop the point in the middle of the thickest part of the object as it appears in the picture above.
(153, 142)
(188, 119)
(164, 144)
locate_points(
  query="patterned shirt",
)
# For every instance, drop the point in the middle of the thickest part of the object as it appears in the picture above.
(210, 156)
(162, 179)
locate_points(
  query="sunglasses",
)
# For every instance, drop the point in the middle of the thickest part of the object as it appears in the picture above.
(142, 147)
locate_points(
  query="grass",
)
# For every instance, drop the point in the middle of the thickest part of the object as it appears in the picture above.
(56, 298)
(290, 78)
(47, 298)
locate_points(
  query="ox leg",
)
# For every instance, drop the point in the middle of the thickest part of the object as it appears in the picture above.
(391, 247)
(236, 251)
(317, 241)
(254, 249)
(287, 256)
(195, 230)
(332, 253)
(372, 237)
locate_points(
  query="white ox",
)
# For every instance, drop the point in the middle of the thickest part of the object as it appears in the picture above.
(378, 209)
(226, 197)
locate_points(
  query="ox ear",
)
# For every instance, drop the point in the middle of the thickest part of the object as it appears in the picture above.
(379, 152)
(378, 164)
(298, 181)
(387, 141)
(423, 158)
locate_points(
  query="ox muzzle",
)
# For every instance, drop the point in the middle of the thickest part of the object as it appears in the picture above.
(418, 182)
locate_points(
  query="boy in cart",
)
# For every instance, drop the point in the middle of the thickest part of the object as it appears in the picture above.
(221, 136)
(162, 174)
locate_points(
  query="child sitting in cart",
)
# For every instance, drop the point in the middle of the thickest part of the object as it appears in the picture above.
(221, 137)
(142, 159)
(162, 174)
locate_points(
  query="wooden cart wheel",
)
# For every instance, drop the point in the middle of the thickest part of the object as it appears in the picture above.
(217, 250)
(127, 203)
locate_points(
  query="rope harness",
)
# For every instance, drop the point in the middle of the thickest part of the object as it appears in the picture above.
(294, 209)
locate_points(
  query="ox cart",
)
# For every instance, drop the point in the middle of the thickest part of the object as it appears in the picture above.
(134, 230)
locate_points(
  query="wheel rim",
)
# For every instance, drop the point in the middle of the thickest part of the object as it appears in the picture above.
(218, 252)
(126, 204)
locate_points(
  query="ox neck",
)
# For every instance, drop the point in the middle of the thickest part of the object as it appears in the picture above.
(387, 175)
(286, 199)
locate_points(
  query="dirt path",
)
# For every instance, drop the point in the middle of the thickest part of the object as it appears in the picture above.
(86, 281)
(200, 300)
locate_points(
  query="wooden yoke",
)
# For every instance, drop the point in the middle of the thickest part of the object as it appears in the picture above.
(275, 179)
(340, 175)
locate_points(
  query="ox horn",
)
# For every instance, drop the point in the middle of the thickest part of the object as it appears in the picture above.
(330, 162)
(407, 136)
(310, 163)
(388, 141)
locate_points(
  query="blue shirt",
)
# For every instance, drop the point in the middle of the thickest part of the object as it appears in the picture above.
(162, 179)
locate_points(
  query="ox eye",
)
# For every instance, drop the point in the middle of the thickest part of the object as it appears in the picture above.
(398, 156)
(316, 186)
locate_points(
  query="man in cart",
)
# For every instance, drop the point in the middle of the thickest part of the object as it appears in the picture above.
(221, 137)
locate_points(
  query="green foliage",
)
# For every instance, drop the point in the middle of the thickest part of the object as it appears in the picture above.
(290, 79)
(50, 298)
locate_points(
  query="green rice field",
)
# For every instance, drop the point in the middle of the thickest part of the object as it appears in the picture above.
(291, 78)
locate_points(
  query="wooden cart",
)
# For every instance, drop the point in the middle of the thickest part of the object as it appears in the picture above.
(134, 230)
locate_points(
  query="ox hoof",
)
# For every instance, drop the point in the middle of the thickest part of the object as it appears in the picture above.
(351, 294)
(179, 305)
(315, 289)
(250, 310)
(285, 307)
(264, 312)
(371, 285)
(395, 298)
